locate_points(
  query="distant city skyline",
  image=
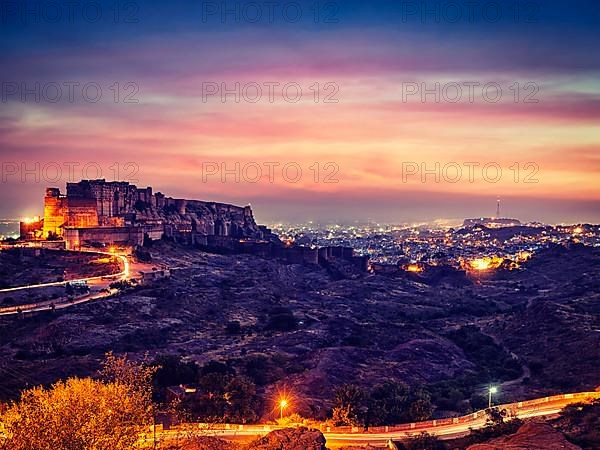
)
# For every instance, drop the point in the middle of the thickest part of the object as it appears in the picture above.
(381, 207)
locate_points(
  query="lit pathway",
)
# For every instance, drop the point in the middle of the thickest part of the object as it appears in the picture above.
(98, 283)
(123, 274)
(379, 436)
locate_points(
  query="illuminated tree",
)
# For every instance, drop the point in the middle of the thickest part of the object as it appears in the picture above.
(76, 414)
(82, 413)
(137, 377)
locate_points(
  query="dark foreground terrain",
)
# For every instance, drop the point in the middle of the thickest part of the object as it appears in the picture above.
(311, 329)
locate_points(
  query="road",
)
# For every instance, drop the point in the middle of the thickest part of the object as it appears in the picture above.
(122, 275)
(451, 431)
(442, 428)
(99, 287)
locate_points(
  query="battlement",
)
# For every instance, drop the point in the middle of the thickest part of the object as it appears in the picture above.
(93, 204)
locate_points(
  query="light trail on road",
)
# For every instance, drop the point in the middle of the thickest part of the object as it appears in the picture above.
(104, 284)
(123, 273)
(459, 426)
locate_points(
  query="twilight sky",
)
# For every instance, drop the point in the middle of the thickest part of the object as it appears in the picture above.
(408, 111)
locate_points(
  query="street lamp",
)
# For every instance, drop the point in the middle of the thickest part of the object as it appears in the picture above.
(282, 404)
(492, 390)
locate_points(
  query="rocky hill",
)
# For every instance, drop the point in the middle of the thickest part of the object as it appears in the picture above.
(555, 332)
(308, 330)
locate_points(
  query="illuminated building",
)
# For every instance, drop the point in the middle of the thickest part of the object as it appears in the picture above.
(100, 212)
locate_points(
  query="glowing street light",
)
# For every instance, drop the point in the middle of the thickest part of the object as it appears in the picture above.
(492, 390)
(282, 404)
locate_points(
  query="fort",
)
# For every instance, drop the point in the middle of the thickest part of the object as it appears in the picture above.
(101, 212)
(96, 213)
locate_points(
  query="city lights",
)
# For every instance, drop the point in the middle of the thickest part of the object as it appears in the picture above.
(485, 263)
(30, 220)
(415, 268)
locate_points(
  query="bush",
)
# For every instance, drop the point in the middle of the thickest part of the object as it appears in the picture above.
(350, 406)
(233, 327)
(224, 398)
(120, 285)
(263, 370)
(493, 364)
(493, 361)
(479, 401)
(216, 367)
(580, 422)
(498, 424)
(281, 319)
(395, 402)
(173, 371)
(388, 403)
(423, 441)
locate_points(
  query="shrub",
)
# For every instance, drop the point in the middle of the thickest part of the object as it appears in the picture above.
(281, 319)
(233, 327)
(423, 441)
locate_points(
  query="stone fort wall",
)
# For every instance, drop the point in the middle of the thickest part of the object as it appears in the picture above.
(96, 204)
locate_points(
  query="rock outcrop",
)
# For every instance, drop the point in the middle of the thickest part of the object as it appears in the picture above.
(290, 439)
(208, 443)
(286, 439)
(531, 436)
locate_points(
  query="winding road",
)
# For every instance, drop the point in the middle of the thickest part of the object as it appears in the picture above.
(380, 436)
(99, 287)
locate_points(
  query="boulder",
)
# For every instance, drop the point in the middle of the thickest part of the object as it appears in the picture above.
(290, 439)
(531, 436)
(207, 443)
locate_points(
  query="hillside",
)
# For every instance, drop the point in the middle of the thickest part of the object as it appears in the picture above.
(308, 329)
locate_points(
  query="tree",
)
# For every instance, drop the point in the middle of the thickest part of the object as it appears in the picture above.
(137, 377)
(224, 397)
(79, 413)
(394, 402)
(172, 371)
(281, 319)
(420, 408)
(349, 406)
(240, 394)
(388, 403)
